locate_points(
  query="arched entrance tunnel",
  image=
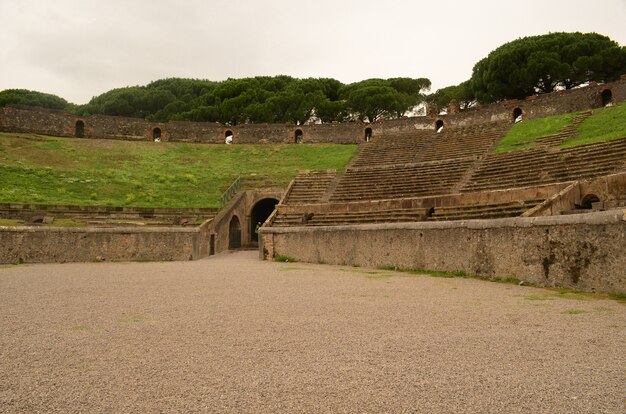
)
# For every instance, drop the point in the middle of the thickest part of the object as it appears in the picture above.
(259, 213)
(234, 233)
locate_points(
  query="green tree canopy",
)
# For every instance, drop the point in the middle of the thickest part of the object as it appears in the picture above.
(374, 99)
(462, 93)
(541, 64)
(271, 99)
(32, 98)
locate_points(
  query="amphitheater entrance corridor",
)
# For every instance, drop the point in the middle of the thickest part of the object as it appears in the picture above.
(234, 233)
(607, 97)
(588, 200)
(79, 131)
(517, 115)
(439, 125)
(259, 213)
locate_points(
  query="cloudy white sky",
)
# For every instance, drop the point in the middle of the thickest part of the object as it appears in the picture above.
(78, 49)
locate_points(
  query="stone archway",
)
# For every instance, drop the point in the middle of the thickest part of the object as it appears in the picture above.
(234, 233)
(79, 129)
(228, 137)
(606, 97)
(439, 125)
(156, 134)
(261, 210)
(588, 200)
(298, 136)
(517, 115)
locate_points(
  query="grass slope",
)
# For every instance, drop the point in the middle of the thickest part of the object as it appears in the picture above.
(522, 135)
(50, 170)
(605, 124)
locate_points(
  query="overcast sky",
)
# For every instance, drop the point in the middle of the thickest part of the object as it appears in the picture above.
(78, 49)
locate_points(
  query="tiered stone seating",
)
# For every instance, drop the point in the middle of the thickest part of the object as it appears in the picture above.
(345, 218)
(409, 180)
(568, 132)
(540, 166)
(94, 216)
(399, 148)
(470, 141)
(310, 186)
(483, 211)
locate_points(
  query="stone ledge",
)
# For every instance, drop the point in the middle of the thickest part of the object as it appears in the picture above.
(598, 218)
(113, 230)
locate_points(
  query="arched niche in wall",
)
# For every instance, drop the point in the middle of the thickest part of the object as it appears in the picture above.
(228, 137)
(234, 233)
(156, 134)
(368, 134)
(298, 136)
(439, 125)
(79, 129)
(517, 115)
(606, 97)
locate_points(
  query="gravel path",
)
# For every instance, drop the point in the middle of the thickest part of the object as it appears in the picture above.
(232, 334)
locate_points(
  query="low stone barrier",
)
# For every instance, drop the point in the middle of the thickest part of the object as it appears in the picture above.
(583, 251)
(54, 244)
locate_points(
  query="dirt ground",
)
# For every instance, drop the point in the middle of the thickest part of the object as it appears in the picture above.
(233, 334)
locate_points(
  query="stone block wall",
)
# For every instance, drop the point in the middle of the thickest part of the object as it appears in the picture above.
(37, 121)
(49, 122)
(582, 251)
(57, 245)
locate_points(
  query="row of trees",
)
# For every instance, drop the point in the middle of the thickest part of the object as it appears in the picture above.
(523, 67)
(33, 98)
(251, 100)
(535, 65)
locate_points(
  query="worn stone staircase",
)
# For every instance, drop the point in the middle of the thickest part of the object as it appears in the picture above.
(539, 166)
(396, 181)
(566, 133)
(399, 148)
(310, 186)
(346, 218)
(472, 141)
(483, 211)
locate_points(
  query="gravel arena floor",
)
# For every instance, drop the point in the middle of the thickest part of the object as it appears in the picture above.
(233, 334)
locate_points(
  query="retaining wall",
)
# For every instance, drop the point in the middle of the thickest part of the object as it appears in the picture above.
(57, 245)
(582, 251)
(15, 118)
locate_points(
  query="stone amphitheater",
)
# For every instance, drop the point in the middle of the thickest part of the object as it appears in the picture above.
(341, 330)
(415, 196)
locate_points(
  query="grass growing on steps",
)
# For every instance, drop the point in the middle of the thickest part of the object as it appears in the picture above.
(605, 124)
(69, 171)
(522, 135)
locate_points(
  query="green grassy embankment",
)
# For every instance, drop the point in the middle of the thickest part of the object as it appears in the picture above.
(68, 171)
(523, 135)
(603, 125)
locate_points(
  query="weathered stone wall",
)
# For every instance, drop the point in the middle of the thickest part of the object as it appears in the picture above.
(583, 251)
(117, 127)
(37, 121)
(42, 121)
(47, 245)
(537, 106)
